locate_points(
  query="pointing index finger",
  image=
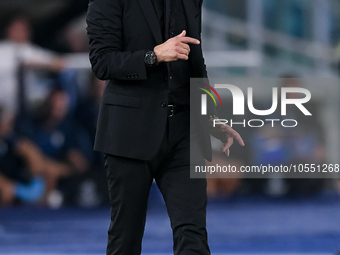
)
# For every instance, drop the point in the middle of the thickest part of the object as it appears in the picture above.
(189, 40)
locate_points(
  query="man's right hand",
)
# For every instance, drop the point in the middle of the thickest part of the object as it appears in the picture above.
(175, 48)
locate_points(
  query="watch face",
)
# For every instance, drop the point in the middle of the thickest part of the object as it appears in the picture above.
(153, 58)
(150, 58)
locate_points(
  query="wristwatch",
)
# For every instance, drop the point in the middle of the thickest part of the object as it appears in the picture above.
(213, 117)
(150, 58)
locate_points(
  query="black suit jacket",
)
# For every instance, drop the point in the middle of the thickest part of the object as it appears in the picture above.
(132, 117)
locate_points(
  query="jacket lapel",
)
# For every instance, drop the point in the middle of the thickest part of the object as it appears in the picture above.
(150, 15)
(190, 12)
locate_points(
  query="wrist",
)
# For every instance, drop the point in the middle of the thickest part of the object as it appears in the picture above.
(158, 54)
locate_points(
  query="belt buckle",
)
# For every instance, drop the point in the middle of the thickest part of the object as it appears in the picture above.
(171, 106)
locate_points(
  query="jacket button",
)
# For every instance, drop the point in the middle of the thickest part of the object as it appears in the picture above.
(163, 104)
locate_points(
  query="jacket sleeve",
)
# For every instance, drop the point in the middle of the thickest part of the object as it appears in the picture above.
(105, 32)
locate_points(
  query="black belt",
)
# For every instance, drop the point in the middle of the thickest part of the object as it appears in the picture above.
(172, 109)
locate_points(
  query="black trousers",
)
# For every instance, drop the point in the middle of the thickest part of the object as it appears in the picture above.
(129, 182)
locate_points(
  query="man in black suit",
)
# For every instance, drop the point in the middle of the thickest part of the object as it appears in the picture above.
(148, 50)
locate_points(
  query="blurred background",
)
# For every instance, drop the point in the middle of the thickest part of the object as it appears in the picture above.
(53, 193)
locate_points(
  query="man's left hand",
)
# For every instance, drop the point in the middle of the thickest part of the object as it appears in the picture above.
(226, 134)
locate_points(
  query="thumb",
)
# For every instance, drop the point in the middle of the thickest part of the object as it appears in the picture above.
(182, 34)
